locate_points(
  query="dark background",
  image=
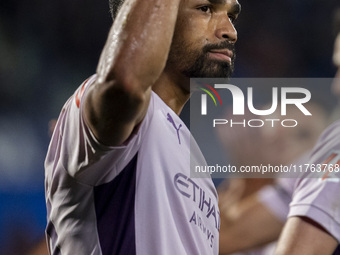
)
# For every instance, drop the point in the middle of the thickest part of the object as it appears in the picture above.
(47, 48)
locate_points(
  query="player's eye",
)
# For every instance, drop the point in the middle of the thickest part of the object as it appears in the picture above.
(205, 8)
(232, 19)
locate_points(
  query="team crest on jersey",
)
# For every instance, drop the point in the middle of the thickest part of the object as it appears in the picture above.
(331, 168)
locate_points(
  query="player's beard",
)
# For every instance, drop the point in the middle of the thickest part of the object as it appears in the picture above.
(197, 64)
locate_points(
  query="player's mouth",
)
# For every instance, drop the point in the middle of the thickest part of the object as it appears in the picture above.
(221, 54)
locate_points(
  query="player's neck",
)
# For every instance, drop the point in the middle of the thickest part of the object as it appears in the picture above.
(173, 90)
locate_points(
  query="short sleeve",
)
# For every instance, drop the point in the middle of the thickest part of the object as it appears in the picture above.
(316, 195)
(318, 200)
(74, 148)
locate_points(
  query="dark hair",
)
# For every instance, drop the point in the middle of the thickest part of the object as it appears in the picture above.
(337, 21)
(114, 7)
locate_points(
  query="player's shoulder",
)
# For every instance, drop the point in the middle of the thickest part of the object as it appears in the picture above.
(328, 142)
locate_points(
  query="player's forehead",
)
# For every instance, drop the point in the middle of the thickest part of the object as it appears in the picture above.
(336, 56)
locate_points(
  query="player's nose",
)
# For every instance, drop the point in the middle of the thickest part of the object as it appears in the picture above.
(225, 29)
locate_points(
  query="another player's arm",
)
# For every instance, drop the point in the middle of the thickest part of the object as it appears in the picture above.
(251, 224)
(302, 235)
(132, 60)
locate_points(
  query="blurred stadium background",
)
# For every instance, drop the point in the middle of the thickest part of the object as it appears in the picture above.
(47, 48)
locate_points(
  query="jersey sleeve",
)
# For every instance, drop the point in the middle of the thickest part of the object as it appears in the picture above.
(75, 149)
(316, 195)
(319, 201)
